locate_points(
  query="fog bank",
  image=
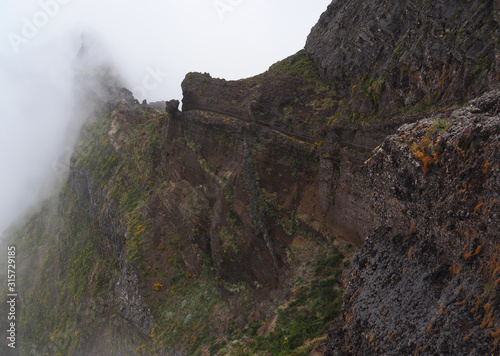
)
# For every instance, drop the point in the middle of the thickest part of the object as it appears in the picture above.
(153, 44)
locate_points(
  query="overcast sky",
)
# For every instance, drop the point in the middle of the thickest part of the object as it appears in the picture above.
(154, 43)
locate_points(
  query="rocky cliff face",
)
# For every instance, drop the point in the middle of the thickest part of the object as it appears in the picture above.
(425, 283)
(430, 283)
(187, 221)
(226, 228)
(391, 56)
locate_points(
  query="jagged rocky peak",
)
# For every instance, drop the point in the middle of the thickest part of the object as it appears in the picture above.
(96, 79)
(191, 250)
(413, 53)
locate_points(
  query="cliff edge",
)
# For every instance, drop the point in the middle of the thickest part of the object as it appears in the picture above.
(429, 281)
(230, 227)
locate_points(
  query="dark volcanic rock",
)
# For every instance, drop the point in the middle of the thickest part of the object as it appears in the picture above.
(415, 52)
(430, 284)
(441, 174)
(172, 107)
(202, 92)
(130, 300)
(405, 300)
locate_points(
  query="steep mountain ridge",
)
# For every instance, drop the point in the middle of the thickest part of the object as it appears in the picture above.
(391, 56)
(226, 228)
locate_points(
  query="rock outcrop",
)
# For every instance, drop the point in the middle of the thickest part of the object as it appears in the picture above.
(225, 227)
(385, 56)
(429, 283)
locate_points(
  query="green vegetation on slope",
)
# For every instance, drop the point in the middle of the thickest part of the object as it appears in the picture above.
(70, 303)
(66, 276)
(309, 313)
